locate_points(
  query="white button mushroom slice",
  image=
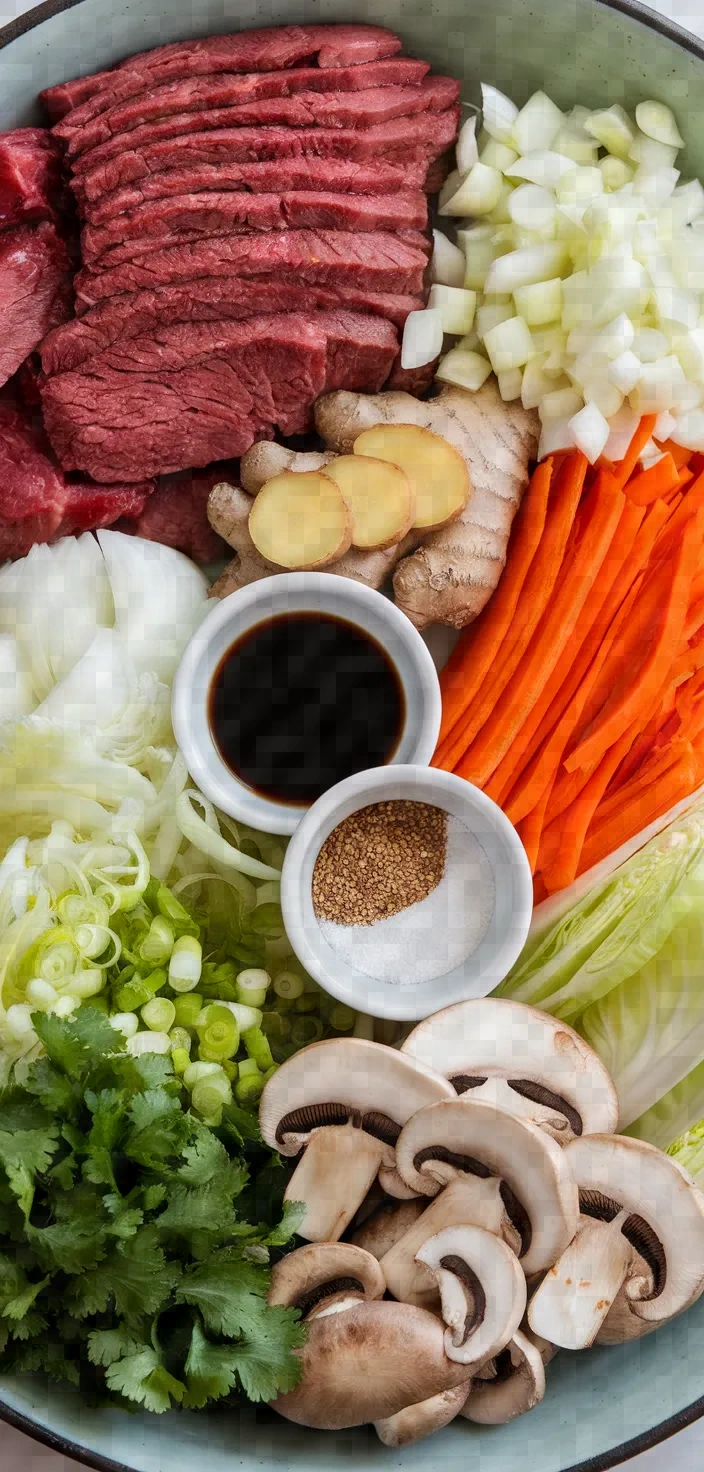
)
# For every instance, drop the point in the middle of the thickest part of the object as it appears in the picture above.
(325, 1277)
(368, 1364)
(415, 1422)
(467, 1199)
(343, 1102)
(632, 1188)
(386, 1226)
(521, 1059)
(517, 1385)
(574, 1298)
(482, 1291)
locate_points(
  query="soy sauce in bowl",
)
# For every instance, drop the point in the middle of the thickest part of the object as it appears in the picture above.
(301, 701)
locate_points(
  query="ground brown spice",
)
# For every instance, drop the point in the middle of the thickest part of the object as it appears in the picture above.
(379, 861)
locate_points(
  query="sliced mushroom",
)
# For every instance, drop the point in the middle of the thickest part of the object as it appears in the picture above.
(415, 1422)
(482, 1291)
(639, 1210)
(367, 1365)
(388, 1224)
(343, 1103)
(325, 1277)
(521, 1059)
(517, 1385)
(503, 1174)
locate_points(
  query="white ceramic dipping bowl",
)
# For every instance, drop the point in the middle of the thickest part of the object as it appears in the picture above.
(297, 592)
(513, 886)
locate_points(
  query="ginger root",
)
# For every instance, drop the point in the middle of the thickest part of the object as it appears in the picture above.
(437, 472)
(267, 459)
(379, 496)
(301, 521)
(453, 574)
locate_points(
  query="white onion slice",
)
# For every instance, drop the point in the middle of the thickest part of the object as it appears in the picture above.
(575, 144)
(498, 156)
(537, 123)
(510, 383)
(560, 404)
(541, 302)
(466, 151)
(555, 435)
(448, 264)
(624, 371)
(651, 154)
(615, 173)
(621, 431)
(591, 431)
(466, 369)
(690, 350)
(491, 313)
(650, 454)
(422, 338)
(654, 186)
(541, 167)
(648, 344)
(450, 187)
(664, 426)
(613, 129)
(499, 113)
(579, 186)
(531, 207)
(689, 431)
(525, 267)
(456, 307)
(659, 385)
(477, 194)
(537, 383)
(604, 395)
(658, 121)
(687, 202)
(509, 344)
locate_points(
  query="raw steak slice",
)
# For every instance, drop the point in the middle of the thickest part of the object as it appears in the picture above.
(177, 514)
(266, 50)
(373, 261)
(223, 140)
(30, 176)
(378, 177)
(361, 351)
(191, 216)
(35, 291)
(186, 396)
(135, 314)
(303, 110)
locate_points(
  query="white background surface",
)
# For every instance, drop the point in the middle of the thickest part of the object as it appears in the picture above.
(679, 1454)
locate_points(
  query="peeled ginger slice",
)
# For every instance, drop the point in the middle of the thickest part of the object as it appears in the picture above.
(437, 472)
(300, 520)
(379, 498)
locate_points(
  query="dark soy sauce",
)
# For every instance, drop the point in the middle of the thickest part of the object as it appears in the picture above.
(302, 701)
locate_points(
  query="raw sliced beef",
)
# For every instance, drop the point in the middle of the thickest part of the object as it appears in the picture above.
(338, 258)
(30, 177)
(266, 50)
(162, 221)
(35, 291)
(177, 514)
(135, 314)
(303, 110)
(198, 392)
(374, 177)
(223, 140)
(37, 503)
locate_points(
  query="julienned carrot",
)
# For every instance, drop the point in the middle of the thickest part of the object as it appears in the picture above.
(624, 470)
(553, 632)
(478, 646)
(538, 587)
(680, 456)
(654, 483)
(573, 824)
(659, 761)
(549, 703)
(530, 829)
(675, 784)
(692, 502)
(647, 679)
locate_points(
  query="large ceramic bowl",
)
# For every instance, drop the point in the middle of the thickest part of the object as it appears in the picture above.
(606, 1405)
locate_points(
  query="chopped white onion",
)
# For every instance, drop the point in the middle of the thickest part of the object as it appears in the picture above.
(556, 434)
(677, 308)
(532, 207)
(542, 167)
(509, 344)
(591, 431)
(612, 128)
(651, 154)
(689, 431)
(526, 266)
(456, 307)
(658, 385)
(477, 194)
(658, 121)
(648, 344)
(537, 383)
(450, 187)
(687, 202)
(498, 156)
(448, 263)
(536, 124)
(422, 338)
(690, 350)
(654, 186)
(664, 426)
(499, 113)
(541, 302)
(650, 454)
(604, 395)
(466, 151)
(615, 173)
(560, 404)
(480, 253)
(491, 313)
(510, 384)
(467, 370)
(618, 284)
(621, 431)
(624, 371)
(579, 186)
(575, 144)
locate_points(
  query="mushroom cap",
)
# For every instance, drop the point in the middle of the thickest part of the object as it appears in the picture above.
(321, 1270)
(482, 1291)
(484, 1140)
(388, 1225)
(368, 1081)
(414, 1422)
(669, 1234)
(368, 1364)
(494, 1402)
(492, 1037)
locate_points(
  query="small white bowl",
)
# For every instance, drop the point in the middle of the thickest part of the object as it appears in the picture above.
(317, 592)
(508, 926)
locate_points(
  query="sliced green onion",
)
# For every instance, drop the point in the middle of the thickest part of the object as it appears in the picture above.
(133, 995)
(187, 1008)
(342, 1018)
(41, 993)
(155, 980)
(197, 1071)
(18, 1020)
(74, 910)
(258, 1048)
(230, 1068)
(158, 943)
(288, 985)
(159, 1015)
(86, 983)
(181, 1038)
(251, 987)
(66, 1006)
(219, 1037)
(271, 1071)
(94, 941)
(249, 1086)
(126, 1023)
(309, 1002)
(186, 964)
(305, 1030)
(58, 963)
(149, 1042)
(212, 843)
(210, 1094)
(245, 1017)
(179, 1060)
(275, 1027)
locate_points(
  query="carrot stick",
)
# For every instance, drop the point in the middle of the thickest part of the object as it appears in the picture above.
(659, 761)
(626, 706)
(653, 484)
(680, 456)
(530, 829)
(474, 654)
(624, 470)
(536, 593)
(574, 823)
(609, 574)
(692, 502)
(554, 631)
(674, 785)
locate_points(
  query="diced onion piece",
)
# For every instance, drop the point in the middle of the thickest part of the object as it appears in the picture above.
(509, 344)
(499, 113)
(605, 396)
(618, 284)
(536, 383)
(687, 396)
(477, 193)
(648, 344)
(456, 307)
(422, 338)
(450, 187)
(658, 385)
(466, 369)
(498, 156)
(689, 431)
(591, 431)
(490, 314)
(526, 266)
(466, 151)
(622, 428)
(577, 295)
(664, 426)
(448, 263)
(539, 303)
(575, 144)
(531, 207)
(613, 129)
(579, 186)
(677, 308)
(537, 123)
(480, 253)
(617, 336)
(555, 435)
(658, 121)
(562, 403)
(510, 384)
(689, 349)
(500, 213)
(651, 154)
(650, 454)
(654, 186)
(687, 202)
(615, 172)
(624, 371)
(543, 167)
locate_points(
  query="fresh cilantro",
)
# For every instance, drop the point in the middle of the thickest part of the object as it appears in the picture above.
(141, 1377)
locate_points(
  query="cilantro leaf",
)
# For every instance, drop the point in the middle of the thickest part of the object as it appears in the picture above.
(203, 1158)
(71, 1246)
(202, 1216)
(106, 1346)
(52, 1088)
(78, 1044)
(125, 1219)
(23, 1154)
(292, 1216)
(141, 1377)
(160, 1129)
(265, 1363)
(135, 1276)
(211, 1369)
(231, 1295)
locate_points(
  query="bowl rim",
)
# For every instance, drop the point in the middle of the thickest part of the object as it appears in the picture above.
(689, 1414)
